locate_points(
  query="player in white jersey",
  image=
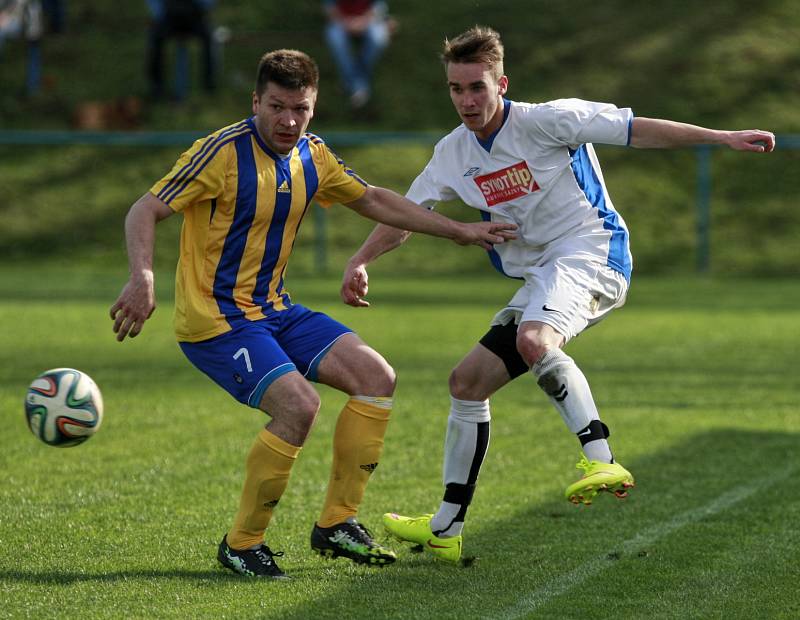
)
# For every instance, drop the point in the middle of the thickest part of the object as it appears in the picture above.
(532, 165)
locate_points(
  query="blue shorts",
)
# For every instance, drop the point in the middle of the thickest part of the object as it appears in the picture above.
(248, 359)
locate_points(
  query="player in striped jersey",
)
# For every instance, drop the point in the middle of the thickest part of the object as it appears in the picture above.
(243, 192)
(533, 165)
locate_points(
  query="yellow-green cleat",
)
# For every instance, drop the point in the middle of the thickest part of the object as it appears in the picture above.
(598, 476)
(418, 530)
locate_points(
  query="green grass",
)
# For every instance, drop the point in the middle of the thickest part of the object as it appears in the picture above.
(696, 378)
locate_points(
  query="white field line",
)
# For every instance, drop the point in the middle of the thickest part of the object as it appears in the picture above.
(563, 583)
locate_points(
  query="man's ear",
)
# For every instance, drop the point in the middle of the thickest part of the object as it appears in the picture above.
(502, 85)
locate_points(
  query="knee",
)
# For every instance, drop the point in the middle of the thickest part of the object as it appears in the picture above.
(532, 350)
(374, 378)
(533, 344)
(297, 412)
(463, 387)
(306, 408)
(384, 379)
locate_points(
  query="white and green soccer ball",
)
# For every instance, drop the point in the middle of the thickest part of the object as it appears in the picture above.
(63, 407)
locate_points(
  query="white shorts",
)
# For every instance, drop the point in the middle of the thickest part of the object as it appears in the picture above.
(569, 293)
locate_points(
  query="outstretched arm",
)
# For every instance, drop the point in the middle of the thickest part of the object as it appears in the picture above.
(137, 300)
(388, 207)
(653, 133)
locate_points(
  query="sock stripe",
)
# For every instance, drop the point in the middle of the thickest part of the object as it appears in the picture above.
(481, 445)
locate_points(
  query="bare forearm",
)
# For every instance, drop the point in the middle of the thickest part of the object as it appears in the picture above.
(381, 240)
(656, 133)
(140, 232)
(387, 207)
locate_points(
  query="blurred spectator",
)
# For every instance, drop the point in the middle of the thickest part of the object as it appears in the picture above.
(180, 20)
(56, 13)
(23, 18)
(357, 33)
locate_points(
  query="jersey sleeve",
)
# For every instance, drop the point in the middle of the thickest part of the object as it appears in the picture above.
(198, 175)
(429, 187)
(577, 122)
(337, 182)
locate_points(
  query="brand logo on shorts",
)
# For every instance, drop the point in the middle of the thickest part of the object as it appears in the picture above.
(507, 184)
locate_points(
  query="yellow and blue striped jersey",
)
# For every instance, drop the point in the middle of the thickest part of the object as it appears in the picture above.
(242, 206)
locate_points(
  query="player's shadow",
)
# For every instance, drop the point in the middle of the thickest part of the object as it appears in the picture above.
(60, 577)
(542, 542)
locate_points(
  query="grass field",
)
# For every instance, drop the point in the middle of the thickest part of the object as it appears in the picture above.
(696, 378)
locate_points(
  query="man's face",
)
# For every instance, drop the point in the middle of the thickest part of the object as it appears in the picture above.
(282, 115)
(476, 95)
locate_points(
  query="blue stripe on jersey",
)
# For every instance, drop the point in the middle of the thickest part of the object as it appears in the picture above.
(312, 183)
(309, 170)
(493, 255)
(274, 242)
(487, 144)
(314, 138)
(236, 239)
(190, 168)
(619, 258)
(630, 131)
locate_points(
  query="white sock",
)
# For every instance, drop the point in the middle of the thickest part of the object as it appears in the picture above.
(464, 450)
(568, 389)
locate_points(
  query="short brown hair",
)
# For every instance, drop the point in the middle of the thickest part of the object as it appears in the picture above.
(478, 44)
(288, 68)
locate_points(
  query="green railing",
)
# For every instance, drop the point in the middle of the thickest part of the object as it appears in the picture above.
(339, 139)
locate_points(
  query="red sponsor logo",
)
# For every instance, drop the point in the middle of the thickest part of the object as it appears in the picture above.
(506, 184)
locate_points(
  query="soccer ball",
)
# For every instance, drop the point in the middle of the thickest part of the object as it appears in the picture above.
(63, 407)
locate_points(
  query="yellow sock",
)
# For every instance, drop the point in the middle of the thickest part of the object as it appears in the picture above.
(357, 446)
(267, 473)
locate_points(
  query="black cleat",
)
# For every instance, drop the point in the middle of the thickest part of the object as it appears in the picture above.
(250, 562)
(351, 540)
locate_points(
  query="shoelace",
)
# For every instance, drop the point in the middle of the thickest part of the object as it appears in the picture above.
(583, 464)
(265, 554)
(364, 535)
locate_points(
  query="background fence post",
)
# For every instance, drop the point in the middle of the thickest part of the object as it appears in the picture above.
(703, 208)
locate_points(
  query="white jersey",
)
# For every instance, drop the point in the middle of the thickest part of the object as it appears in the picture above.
(540, 172)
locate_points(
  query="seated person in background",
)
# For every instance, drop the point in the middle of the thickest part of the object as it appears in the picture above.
(357, 34)
(178, 19)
